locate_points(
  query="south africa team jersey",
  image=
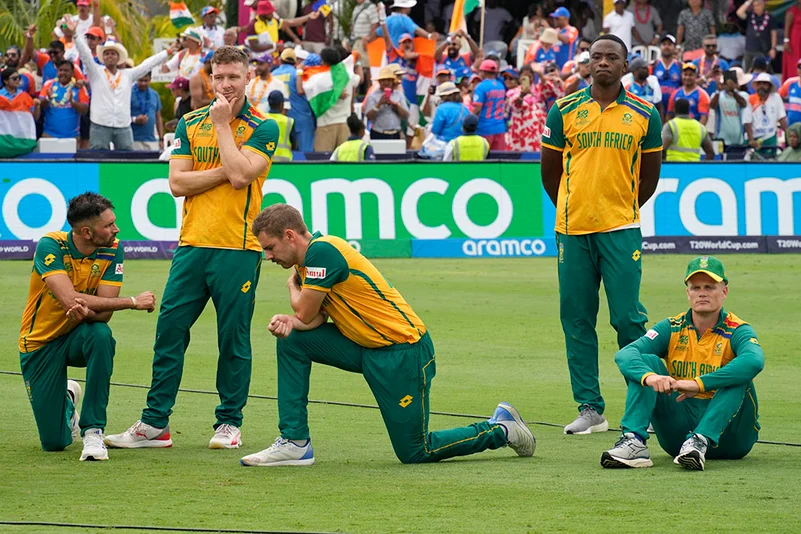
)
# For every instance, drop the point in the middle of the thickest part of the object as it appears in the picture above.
(221, 217)
(601, 152)
(362, 303)
(44, 319)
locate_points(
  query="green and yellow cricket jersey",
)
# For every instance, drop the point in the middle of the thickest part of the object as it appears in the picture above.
(221, 217)
(44, 319)
(601, 152)
(727, 354)
(361, 302)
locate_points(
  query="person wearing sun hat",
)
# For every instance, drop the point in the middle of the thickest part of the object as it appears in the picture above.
(543, 50)
(691, 376)
(764, 113)
(451, 112)
(489, 100)
(386, 107)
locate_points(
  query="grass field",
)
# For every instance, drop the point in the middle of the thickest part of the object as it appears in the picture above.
(496, 328)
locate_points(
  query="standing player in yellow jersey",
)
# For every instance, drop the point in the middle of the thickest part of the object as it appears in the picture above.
(692, 376)
(222, 156)
(375, 333)
(601, 156)
(78, 272)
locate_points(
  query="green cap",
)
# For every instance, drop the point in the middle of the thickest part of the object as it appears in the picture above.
(707, 265)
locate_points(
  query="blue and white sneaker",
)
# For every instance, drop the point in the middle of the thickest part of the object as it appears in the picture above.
(518, 435)
(282, 452)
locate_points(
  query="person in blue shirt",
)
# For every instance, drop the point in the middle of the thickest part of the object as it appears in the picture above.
(711, 66)
(489, 105)
(146, 116)
(299, 110)
(399, 23)
(450, 113)
(668, 69)
(454, 60)
(63, 103)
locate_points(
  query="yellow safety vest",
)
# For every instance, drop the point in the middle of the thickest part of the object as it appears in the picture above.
(688, 136)
(470, 148)
(352, 150)
(283, 151)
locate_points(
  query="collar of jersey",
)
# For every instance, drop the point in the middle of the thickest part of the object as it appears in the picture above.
(74, 252)
(689, 318)
(245, 108)
(620, 97)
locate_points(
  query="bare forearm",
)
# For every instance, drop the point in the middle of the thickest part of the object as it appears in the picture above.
(188, 183)
(298, 324)
(95, 317)
(100, 304)
(402, 112)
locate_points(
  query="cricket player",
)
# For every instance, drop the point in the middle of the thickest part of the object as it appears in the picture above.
(374, 332)
(222, 156)
(692, 376)
(601, 155)
(74, 289)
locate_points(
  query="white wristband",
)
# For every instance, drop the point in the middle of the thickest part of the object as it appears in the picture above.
(133, 302)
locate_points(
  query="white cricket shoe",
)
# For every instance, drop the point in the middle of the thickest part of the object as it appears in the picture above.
(141, 436)
(93, 446)
(226, 437)
(282, 452)
(518, 435)
(75, 392)
(692, 455)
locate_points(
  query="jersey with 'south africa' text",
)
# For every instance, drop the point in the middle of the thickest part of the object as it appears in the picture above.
(364, 306)
(601, 155)
(221, 217)
(44, 319)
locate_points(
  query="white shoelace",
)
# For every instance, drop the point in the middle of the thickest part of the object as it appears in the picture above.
(91, 439)
(227, 430)
(278, 444)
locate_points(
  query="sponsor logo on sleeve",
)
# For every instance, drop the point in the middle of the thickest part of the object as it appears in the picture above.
(651, 334)
(118, 269)
(754, 340)
(177, 143)
(315, 272)
(546, 132)
(49, 259)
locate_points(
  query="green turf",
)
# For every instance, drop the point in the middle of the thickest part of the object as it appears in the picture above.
(495, 324)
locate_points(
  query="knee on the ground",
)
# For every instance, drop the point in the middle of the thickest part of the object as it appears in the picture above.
(413, 456)
(54, 445)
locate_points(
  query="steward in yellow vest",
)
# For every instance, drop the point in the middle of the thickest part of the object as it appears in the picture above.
(355, 148)
(684, 138)
(286, 135)
(467, 147)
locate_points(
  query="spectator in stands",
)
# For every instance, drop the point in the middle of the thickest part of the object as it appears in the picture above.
(489, 105)
(469, 146)
(454, 61)
(299, 109)
(729, 103)
(533, 25)
(45, 62)
(731, 44)
(399, 23)
(496, 21)
(694, 23)
(432, 100)
(761, 31)
(758, 66)
(406, 57)
(187, 62)
(683, 137)
(447, 124)
(581, 77)
(70, 53)
(147, 124)
(792, 39)
(355, 149)
(511, 78)
(363, 28)
(693, 93)
(317, 32)
(543, 50)
(793, 151)
(18, 98)
(286, 133)
(647, 23)
(230, 36)
(567, 34)
(668, 69)
(263, 83)
(183, 100)
(586, 21)
(710, 65)
(85, 19)
(332, 128)
(464, 85)
(386, 108)
(640, 82)
(63, 102)
(209, 29)
(261, 35)
(526, 107)
(11, 60)
(94, 38)
(200, 89)
(110, 112)
(620, 23)
(765, 111)
(790, 91)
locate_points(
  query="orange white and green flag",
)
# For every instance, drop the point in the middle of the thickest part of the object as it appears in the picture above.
(461, 10)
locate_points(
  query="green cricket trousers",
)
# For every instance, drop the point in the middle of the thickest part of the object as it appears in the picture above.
(729, 420)
(585, 260)
(399, 377)
(229, 278)
(44, 370)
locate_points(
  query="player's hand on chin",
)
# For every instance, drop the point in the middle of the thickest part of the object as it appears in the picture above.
(221, 112)
(280, 326)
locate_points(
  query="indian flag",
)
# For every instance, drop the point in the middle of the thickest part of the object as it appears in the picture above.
(17, 129)
(180, 15)
(324, 85)
(461, 9)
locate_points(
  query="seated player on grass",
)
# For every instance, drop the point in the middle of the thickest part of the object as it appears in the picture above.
(692, 377)
(74, 288)
(374, 332)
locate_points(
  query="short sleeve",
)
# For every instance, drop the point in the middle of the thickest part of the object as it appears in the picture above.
(181, 147)
(48, 258)
(748, 115)
(411, 27)
(83, 96)
(782, 113)
(479, 97)
(41, 59)
(656, 20)
(264, 139)
(653, 137)
(671, 101)
(371, 100)
(703, 103)
(113, 274)
(325, 266)
(553, 136)
(45, 89)
(158, 101)
(784, 90)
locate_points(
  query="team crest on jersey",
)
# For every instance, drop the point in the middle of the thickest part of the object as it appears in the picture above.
(67, 266)
(719, 349)
(205, 127)
(582, 117)
(315, 272)
(240, 131)
(627, 118)
(118, 269)
(95, 270)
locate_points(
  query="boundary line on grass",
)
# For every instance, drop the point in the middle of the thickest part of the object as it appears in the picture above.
(151, 528)
(369, 406)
